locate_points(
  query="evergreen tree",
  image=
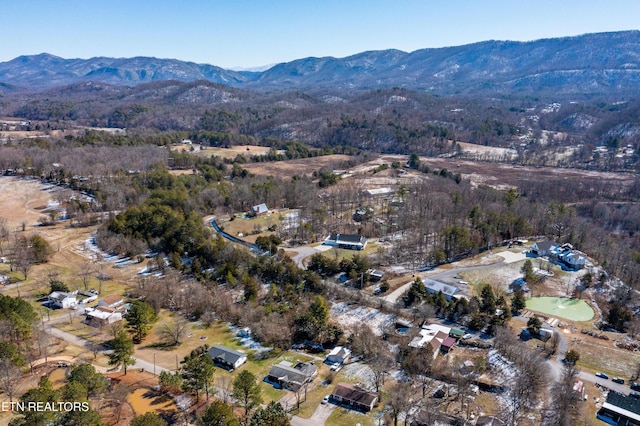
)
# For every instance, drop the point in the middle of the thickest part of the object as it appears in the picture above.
(123, 349)
(218, 414)
(272, 415)
(197, 374)
(247, 392)
(518, 302)
(148, 419)
(140, 318)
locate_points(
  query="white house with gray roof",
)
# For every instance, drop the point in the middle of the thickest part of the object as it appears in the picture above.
(433, 286)
(346, 241)
(227, 357)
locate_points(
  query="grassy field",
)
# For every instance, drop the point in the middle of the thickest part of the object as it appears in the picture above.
(289, 168)
(344, 417)
(232, 152)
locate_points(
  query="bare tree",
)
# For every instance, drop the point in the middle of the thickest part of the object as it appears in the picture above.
(380, 364)
(119, 396)
(399, 400)
(174, 332)
(565, 406)
(4, 234)
(85, 273)
(9, 376)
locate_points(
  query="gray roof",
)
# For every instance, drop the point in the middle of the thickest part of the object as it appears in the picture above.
(545, 245)
(225, 355)
(298, 374)
(436, 286)
(628, 403)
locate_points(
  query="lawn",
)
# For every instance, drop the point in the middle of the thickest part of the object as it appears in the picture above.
(251, 228)
(344, 417)
(217, 334)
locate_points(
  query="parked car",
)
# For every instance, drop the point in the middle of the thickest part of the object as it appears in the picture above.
(602, 376)
(618, 380)
(377, 291)
(326, 399)
(336, 366)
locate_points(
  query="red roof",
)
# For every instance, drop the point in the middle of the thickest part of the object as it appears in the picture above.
(448, 342)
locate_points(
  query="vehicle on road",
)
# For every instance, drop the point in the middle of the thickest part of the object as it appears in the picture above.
(618, 380)
(602, 376)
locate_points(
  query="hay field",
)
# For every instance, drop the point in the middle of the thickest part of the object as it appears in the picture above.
(289, 168)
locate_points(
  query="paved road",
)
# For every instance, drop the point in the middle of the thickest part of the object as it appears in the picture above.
(84, 343)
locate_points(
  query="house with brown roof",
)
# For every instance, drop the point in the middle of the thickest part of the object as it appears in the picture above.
(354, 397)
(111, 301)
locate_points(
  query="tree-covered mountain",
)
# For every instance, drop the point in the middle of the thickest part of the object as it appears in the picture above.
(601, 63)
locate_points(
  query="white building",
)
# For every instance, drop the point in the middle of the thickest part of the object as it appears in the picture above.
(63, 300)
(338, 354)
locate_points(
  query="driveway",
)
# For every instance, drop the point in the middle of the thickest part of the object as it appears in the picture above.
(318, 418)
(302, 253)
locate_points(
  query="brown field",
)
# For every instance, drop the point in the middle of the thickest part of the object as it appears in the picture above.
(246, 150)
(288, 168)
(503, 176)
(181, 172)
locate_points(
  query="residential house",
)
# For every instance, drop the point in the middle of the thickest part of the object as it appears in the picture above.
(259, 210)
(619, 409)
(433, 286)
(447, 344)
(429, 339)
(352, 396)
(543, 248)
(339, 354)
(375, 275)
(63, 300)
(571, 258)
(103, 316)
(111, 301)
(346, 241)
(378, 192)
(228, 358)
(292, 378)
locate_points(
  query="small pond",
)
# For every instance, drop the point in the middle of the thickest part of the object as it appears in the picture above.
(563, 307)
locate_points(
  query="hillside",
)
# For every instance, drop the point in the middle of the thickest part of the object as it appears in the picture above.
(602, 63)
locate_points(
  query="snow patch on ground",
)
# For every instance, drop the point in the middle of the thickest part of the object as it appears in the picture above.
(348, 316)
(362, 373)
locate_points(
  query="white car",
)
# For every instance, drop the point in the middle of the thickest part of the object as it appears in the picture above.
(326, 399)
(336, 366)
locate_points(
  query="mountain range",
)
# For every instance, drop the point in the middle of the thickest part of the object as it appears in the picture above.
(599, 63)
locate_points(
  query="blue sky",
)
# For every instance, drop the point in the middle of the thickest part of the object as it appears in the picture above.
(237, 33)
